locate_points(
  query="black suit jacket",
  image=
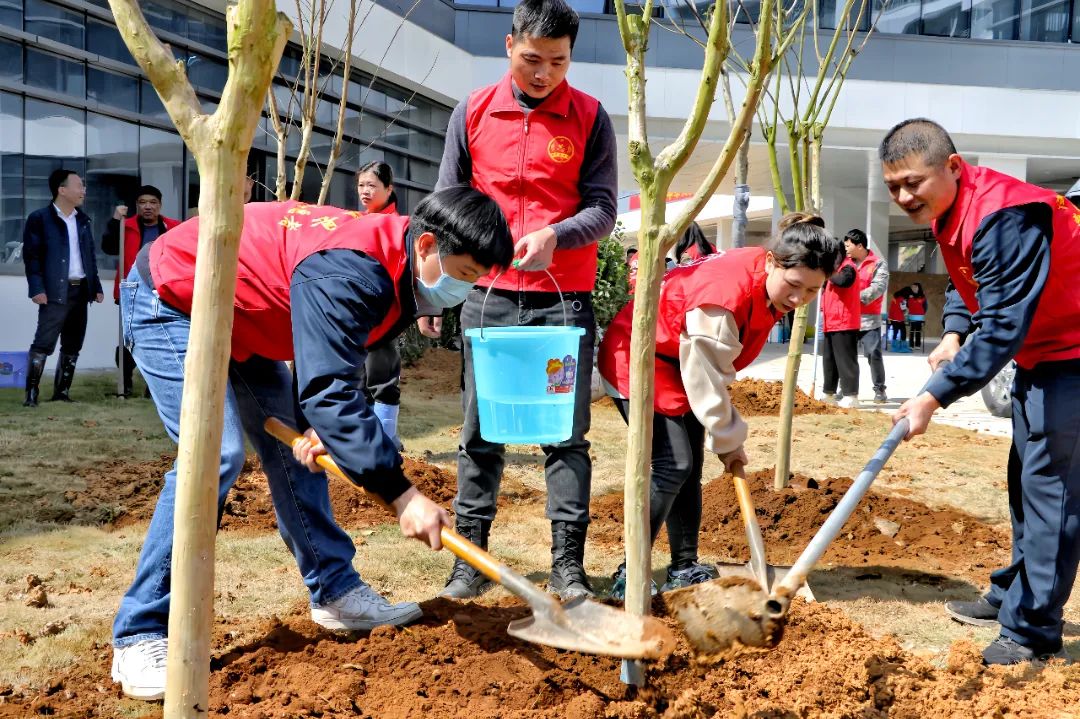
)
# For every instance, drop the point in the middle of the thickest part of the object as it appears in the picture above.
(45, 254)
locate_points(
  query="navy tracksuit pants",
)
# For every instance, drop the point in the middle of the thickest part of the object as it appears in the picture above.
(1044, 504)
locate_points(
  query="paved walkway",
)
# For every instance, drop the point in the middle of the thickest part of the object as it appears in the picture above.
(904, 377)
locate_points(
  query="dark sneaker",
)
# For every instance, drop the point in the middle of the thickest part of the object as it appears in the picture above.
(568, 580)
(694, 574)
(618, 584)
(465, 582)
(880, 397)
(1004, 651)
(979, 613)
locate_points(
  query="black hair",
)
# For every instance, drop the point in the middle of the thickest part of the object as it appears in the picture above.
(465, 221)
(551, 19)
(693, 237)
(803, 242)
(385, 175)
(857, 237)
(56, 180)
(912, 293)
(917, 136)
(148, 190)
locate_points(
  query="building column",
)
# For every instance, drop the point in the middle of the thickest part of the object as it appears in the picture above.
(878, 203)
(722, 238)
(1013, 165)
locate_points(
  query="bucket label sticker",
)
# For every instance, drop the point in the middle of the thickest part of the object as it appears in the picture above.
(561, 375)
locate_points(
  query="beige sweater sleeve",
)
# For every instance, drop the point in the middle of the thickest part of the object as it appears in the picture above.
(707, 353)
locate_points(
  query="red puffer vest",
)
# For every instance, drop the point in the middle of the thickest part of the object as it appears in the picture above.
(277, 237)
(1054, 333)
(840, 306)
(865, 273)
(734, 280)
(132, 245)
(531, 165)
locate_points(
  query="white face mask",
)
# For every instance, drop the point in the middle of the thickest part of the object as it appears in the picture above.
(446, 292)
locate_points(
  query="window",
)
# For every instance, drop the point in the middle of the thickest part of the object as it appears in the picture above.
(948, 19)
(995, 19)
(105, 40)
(11, 13)
(203, 28)
(109, 88)
(830, 15)
(52, 72)
(423, 173)
(55, 23)
(12, 211)
(161, 164)
(901, 17)
(204, 72)
(11, 61)
(150, 102)
(169, 18)
(1044, 21)
(55, 137)
(112, 171)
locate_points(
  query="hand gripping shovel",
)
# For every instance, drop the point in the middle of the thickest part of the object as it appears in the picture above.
(579, 625)
(717, 614)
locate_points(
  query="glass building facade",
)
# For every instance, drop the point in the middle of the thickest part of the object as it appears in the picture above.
(71, 96)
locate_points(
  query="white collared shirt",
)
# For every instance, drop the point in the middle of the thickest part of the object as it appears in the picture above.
(75, 265)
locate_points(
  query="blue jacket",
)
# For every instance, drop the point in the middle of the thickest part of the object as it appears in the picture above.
(45, 254)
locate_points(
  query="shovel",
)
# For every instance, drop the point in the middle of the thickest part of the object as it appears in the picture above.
(579, 625)
(765, 574)
(717, 614)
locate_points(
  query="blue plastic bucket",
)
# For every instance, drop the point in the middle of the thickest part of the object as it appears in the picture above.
(13, 369)
(525, 379)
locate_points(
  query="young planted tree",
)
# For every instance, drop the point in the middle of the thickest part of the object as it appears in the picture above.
(655, 174)
(811, 101)
(256, 35)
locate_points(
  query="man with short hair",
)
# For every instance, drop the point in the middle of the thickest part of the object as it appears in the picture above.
(62, 276)
(872, 274)
(546, 152)
(139, 231)
(1011, 298)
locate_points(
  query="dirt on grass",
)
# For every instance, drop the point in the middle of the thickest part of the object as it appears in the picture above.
(437, 373)
(124, 493)
(756, 398)
(884, 531)
(458, 661)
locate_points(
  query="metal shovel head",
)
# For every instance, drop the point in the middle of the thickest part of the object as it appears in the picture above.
(718, 615)
(585, 626)
(775, 575)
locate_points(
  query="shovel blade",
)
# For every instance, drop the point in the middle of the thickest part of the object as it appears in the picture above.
(776, 574)
(585, 626)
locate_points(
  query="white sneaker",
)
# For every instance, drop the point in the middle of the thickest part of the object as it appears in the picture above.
(140, 669)
(849, 401)
(828, 398)
(362, 609)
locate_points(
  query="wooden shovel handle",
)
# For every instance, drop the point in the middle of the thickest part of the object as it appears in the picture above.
(751, 526)
(458, 545)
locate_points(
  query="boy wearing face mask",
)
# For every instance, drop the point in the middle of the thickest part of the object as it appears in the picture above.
(326, 283)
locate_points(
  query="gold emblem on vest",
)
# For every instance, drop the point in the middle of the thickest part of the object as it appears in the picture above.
(560, 149)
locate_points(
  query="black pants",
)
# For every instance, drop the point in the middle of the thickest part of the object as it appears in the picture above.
(840, 362)
(916, 334)
(678, 456)
(870, 342)
(64, 321)
(899, 328)
(567, 467)
(383, 372)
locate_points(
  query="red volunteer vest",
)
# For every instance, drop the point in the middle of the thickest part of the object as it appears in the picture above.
(734, 280)
(896, 310)
(865, 273)
(132, 245)
(1054, 333)
(531, 165)
(916, 306)
(277, 237)
(840, 306)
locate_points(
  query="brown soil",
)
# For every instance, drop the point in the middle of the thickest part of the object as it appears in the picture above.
(756, 397)
(929, 540)
(459, 662)
(124, 493)
(437, 373)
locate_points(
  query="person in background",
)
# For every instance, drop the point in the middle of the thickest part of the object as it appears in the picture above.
(714, 318)
(841, 318)
(692, 245)
(62, 280)
(898, 321)
(873, 280)
(916, 309)
(139, 231)
(1012, 251)
(546, 152)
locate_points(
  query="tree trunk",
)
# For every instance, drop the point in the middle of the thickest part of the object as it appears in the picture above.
(787, 398)
(742, 195)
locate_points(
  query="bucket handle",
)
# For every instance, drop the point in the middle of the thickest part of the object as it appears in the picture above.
(483, 307)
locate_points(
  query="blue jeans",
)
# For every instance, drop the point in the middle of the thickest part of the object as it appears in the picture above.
(157, 336)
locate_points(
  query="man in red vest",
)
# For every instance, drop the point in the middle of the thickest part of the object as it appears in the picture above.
(1010, 299)
(840, 315)
(139, 231)
(546, 152)
(327, 283)
(873, 279)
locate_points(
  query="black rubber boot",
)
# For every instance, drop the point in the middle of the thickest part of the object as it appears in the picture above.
(568, 578)
(466, 582)
(65, 374)
(35, 368)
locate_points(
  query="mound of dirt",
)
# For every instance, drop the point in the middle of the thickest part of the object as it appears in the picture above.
(756, 398)
(883, 531)
(438, 372)
(459, 662)
(124, 493)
